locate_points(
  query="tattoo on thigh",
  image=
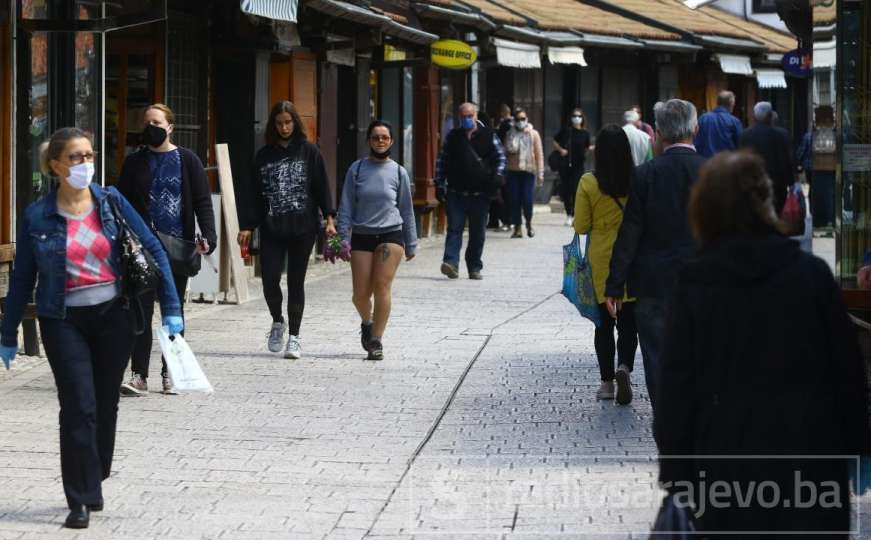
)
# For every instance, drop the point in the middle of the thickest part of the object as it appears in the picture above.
(385, 253)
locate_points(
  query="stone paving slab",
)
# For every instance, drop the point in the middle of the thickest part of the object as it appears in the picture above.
(332, 446)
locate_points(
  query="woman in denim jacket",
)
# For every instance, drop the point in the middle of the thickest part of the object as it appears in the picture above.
(67, 245)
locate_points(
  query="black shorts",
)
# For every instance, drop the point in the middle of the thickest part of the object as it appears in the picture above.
(368, 242)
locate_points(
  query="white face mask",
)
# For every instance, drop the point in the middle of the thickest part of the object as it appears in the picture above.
(521, 125)
(577, 120)
(81, 175)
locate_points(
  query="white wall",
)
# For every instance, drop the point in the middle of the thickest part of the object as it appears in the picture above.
(742, 7)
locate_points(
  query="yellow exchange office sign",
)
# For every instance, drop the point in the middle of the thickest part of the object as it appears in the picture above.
(452, 54)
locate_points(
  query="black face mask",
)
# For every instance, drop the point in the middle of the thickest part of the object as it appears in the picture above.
(379, 155)
(153, 135)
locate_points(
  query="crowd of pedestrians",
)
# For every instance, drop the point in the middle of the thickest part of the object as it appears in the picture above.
(746, 344)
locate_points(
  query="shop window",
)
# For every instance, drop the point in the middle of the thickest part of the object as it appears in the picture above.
(408, 121)
(186, 89)
(764, 6)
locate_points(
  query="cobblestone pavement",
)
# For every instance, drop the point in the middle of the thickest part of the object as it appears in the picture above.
(481, 422)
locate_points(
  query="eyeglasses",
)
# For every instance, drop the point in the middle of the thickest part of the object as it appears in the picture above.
(77, 159)
(577, 116)
(379, 138)
(520, 119)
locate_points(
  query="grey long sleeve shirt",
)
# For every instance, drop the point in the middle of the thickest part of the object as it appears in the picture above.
(376, 199)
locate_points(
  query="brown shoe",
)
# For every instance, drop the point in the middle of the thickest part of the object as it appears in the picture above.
(450, 270)
(518, 233)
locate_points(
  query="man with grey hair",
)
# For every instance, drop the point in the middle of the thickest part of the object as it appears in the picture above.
(469, 171)
(773, 144)
(719, 130)
(639, 143)
(654, 239)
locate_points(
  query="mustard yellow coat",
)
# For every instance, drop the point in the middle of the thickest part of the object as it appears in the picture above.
(598, 215)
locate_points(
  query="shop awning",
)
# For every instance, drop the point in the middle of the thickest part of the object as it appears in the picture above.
(547, 37)
(728, 43)
(672, 46)
(280, 10)
(349, 12)
(566, 55)
(517, 55)
(770, 78)
(475, 20)
(735, 64)
(825, 55)
(409, 33)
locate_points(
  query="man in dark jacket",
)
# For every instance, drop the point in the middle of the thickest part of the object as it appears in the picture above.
(468, 172)
(719, 130)
(654, 239)
(773, 145)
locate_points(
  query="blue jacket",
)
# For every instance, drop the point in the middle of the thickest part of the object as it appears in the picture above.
(40, 259)
(718, 131)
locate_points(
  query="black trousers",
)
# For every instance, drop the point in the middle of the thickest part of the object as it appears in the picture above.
(568, 188)
(144, 341)
(273, 254)
(87, 352)
(627, 340)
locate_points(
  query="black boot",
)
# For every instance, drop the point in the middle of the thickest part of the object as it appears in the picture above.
(530, 232)
(518, 233)
(78, 518)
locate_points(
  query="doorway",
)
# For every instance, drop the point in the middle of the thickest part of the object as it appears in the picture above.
(134, 80)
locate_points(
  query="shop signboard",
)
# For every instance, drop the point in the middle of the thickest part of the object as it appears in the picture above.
(452, 54)
(798, 63)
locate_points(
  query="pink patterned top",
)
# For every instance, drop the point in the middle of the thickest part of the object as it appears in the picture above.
(88, 252)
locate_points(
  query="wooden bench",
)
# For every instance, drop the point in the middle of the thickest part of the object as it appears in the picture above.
(28, 323)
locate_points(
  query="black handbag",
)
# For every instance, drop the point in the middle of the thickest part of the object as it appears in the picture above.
(139, 271)
(184, 259)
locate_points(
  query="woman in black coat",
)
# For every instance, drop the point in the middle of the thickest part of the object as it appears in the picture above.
(760, 360)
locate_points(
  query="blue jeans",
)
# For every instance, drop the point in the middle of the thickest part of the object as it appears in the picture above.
(521, 186)
(650, 321)
(476, 208)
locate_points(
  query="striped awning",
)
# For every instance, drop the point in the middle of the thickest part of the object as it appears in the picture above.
(280, 10)
(770, 78)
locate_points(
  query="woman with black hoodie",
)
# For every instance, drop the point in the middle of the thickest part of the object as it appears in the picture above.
(288, 187)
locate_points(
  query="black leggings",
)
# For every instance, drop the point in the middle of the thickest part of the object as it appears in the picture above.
(142, 346)
(569, 179)
(627, 340)
(273, 252)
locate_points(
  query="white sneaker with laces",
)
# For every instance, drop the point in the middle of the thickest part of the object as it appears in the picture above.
(570, 221)
(293, 349)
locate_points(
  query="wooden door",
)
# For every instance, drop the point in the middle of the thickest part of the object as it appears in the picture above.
(295, 79)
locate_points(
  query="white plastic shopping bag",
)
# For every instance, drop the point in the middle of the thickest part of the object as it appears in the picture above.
(184, 370)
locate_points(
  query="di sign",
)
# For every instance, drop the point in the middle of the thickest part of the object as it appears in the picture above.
(452, 54)
(798, 63)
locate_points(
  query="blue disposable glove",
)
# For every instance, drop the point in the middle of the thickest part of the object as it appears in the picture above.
(7, 353)
(174, 324)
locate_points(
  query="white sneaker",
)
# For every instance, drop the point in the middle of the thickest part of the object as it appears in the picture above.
(275, 337)
(293, 350)
(570, 221)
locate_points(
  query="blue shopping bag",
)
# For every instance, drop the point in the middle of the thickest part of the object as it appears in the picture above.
(578, 280)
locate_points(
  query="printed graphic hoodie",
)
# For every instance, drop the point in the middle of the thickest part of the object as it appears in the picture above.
(288, 186)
